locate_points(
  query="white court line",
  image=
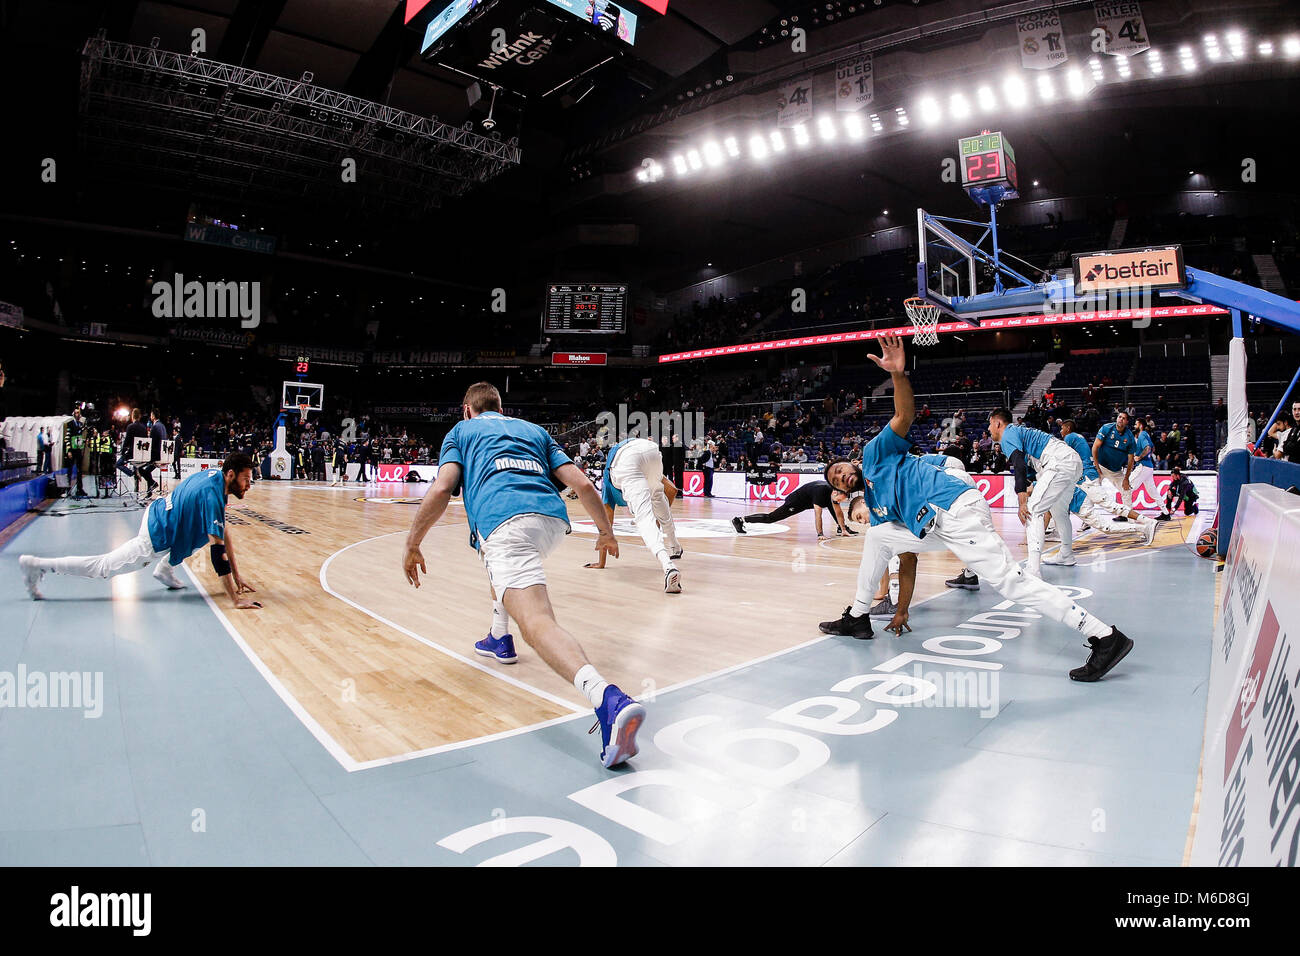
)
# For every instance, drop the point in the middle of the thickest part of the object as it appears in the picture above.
(351, 765)
(331, 745)
(493, 672)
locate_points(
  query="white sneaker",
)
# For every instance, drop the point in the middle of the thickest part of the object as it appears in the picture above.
(167, 577)
(1150, 530)
(31, 576)
(1067, 560)
(673, 581)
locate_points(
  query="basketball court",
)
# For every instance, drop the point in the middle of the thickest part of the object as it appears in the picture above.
(350, 722)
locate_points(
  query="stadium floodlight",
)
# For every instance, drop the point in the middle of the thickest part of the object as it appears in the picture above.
(757, 147)
(1156, 63)
(801, 137)
(1236, 44)
(984, 96)
(903, 120)
(853, 126)
(1212, 46)
(693, 157)
(1265, 48)
(826, 127)
(712, 153)
(1017, 94)
(778, 142)
(1291, 47)
(643, 175)
(930, 112)
(1077, 84)
(959, 106)
(731, 146)
(1046, 89)
(679, 165)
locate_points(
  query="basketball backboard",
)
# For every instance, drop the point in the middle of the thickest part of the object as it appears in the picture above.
(293, 393)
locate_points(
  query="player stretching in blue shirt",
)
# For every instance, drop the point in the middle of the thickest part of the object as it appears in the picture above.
(1112, 455)
(1058, 468)
(917, 507)
(508, 470)
(173, 528)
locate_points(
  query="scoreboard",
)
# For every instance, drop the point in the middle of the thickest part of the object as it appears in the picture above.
(585, 307)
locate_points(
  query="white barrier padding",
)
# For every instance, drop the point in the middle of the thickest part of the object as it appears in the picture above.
(1250, 798)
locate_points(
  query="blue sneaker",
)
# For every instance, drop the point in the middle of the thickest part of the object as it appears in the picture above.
(619, 719)
(498, 648)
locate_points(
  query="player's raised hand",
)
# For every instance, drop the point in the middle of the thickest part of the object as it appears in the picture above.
(891, 354)
(414, 559)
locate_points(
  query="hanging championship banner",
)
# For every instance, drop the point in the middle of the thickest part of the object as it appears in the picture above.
(854, 84)
(1042, 43)
(1126, 33)
(794, 103)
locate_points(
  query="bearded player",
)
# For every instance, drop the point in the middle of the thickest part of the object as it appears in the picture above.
(172, 529)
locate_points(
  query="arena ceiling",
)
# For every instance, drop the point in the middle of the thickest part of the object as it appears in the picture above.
(707, 66)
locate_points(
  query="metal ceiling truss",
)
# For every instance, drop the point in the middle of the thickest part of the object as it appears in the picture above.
(188, 117)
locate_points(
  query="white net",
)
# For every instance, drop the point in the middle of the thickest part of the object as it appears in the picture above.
(925, 316)
(303, 408)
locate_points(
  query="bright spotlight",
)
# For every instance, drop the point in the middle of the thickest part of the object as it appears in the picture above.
(929, 109)
(1077, 85)
(778, 142)
(1291, 47)
(679, 164)
(1265, 48)
(801, 137)
(986, 99)
(693, 157)
(732, 147)
(1046, 88)
(712, 153)
(826, 127)
(1016, 93)
(757, 147)
(959, 105)
(853, 126)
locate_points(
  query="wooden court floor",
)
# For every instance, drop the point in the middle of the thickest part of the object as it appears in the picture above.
(386, 671)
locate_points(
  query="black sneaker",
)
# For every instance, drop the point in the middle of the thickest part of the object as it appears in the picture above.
(1163, 517)
(965, 581)
(676, 554)
(1120, 518)
(739, 524)
(1106, 653)
(849, 626)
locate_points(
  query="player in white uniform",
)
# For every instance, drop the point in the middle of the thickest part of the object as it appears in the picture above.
(1096, 505)
(1058, 468)
(916, 507)
(634, 477)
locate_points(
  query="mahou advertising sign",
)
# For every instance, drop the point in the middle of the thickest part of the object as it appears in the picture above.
(579, 358)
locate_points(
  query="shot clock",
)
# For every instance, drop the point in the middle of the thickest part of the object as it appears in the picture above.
(988, 168)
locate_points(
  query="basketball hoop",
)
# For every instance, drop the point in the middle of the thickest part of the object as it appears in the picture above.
(925, 316)
(302, 412)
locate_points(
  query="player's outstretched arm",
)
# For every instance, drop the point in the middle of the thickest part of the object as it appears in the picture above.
(670, 492)
(599, 563)
(906, 586)
(1096, 447)
(431, 509)
(893, 361)
(571, 476)
(221, 564)
(240, 586)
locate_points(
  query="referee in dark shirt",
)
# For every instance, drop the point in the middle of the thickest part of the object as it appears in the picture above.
(815, 494)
